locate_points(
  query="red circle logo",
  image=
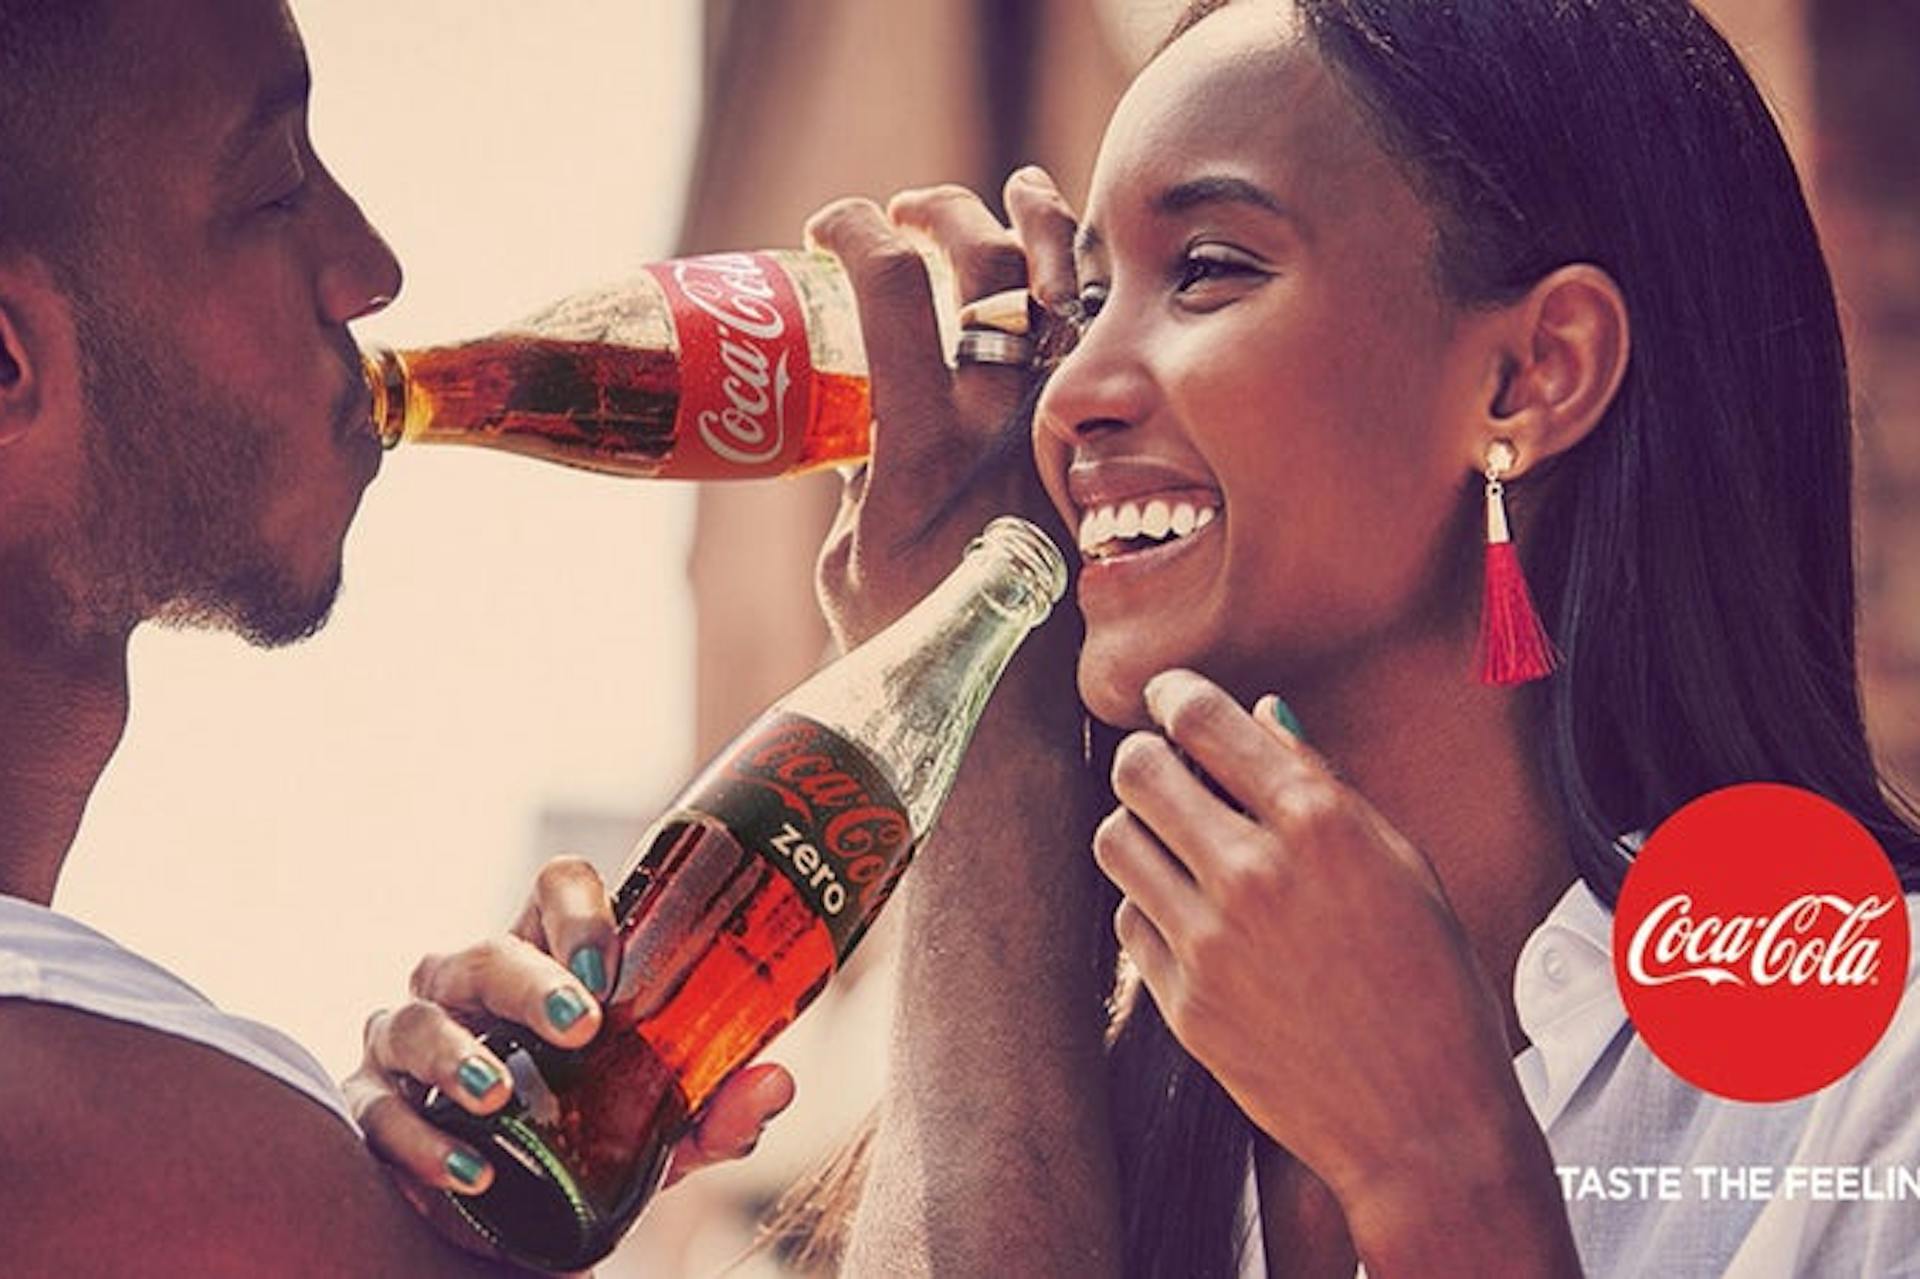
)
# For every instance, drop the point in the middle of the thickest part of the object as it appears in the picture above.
(1760, 942)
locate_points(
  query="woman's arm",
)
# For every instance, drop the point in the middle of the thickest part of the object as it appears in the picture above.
(1304, 952)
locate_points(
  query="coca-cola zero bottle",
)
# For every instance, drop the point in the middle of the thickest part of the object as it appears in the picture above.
(743, 900)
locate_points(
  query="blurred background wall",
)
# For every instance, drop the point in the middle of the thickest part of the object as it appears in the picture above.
(529, 660)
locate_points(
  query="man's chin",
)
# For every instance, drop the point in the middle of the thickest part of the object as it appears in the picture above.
(266, 612)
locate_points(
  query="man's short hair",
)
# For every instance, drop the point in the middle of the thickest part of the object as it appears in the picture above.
(53, 92)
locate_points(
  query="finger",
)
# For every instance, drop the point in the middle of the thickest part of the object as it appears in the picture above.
(396, 1133)
(1144, 871)
(420, 1041)
(570, 915)
(1190, 821)
(731, 1124)
(1045, 224)
(1148, 950)
(1260, 768)
(986, 256)
(897, 323)
(510, 978)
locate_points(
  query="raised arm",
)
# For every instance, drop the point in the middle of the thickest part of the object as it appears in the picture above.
(992, 1153)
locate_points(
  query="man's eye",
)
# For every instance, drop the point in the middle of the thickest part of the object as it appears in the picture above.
(292, 193)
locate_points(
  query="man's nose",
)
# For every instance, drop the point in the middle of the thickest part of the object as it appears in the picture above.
(361, 274)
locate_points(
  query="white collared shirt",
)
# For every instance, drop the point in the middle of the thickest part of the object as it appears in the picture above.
(1844, 1162)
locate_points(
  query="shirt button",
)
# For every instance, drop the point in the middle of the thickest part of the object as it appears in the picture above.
(1554, 965)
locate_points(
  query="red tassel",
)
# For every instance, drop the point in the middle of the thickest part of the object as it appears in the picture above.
(1514, 647)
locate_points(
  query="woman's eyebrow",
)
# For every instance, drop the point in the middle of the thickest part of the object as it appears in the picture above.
(1223, 189)
(1197, 192)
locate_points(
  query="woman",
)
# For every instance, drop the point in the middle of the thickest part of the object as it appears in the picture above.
(1343, 263)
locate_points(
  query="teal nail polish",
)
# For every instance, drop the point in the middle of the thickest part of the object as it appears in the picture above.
(1288, 720)
(564, 1007)
(465, 1167)
(589, 968)
(477, 1076)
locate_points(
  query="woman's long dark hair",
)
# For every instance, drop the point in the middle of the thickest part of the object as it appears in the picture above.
(1694, 556)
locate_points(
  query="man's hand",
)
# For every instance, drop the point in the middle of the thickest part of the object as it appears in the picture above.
(949, 453)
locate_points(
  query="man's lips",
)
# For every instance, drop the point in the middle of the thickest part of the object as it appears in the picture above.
(353, 414)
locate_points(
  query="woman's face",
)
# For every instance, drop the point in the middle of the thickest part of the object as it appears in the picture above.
(1267, 438)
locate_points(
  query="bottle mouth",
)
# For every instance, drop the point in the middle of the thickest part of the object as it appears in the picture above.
(1036, 561)
(386, 375)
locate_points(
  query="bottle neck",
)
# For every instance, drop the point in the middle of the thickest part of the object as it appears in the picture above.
(913, 693)
(389, 385)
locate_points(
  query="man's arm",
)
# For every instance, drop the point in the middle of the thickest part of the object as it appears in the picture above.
(994, 1151)
(129, 1151)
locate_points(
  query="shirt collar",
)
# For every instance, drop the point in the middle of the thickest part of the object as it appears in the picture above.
(1565, 996)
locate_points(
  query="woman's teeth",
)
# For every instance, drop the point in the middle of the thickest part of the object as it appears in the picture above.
(1105, 531)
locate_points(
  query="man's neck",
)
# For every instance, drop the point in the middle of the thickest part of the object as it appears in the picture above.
(62, 713)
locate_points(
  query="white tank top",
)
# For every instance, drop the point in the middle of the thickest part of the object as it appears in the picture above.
(52, 959)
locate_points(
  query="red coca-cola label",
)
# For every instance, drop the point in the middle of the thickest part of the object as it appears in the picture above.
(1761, 942)
(746, 372)
(812, 803)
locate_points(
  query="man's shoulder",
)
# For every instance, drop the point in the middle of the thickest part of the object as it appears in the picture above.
(143, 1151)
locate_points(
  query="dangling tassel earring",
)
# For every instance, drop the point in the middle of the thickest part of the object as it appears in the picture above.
(1514, 647)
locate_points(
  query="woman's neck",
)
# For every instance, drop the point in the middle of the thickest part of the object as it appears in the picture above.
(1458, 768)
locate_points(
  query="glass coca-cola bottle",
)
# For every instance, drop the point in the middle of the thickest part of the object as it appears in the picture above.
(728, 366)
(744, 899)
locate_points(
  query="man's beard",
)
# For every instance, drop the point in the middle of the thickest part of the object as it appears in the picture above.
(177, 480)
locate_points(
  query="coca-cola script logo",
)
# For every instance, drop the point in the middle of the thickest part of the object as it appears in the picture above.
(752, 334)
(1760, 942)
(864, 836)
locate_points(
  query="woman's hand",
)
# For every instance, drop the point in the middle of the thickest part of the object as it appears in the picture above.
(425, 1043)
(948, 454)
(1303, 951)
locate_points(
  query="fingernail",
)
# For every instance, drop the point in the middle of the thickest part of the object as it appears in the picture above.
(590, 968)
(1159, 688)
(465, 1167)
(564, 1007)
(1030, 173)
(1288, 720)
(776, 1093)
(478, 1076)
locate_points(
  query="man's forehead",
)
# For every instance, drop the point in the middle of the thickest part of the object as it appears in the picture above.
(204, 66)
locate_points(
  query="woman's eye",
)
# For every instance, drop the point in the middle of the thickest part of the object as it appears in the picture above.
(1059, 338)
(1092, 298)
(1214, 262)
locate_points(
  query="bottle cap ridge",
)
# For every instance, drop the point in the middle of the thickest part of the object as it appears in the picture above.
(1032, 555)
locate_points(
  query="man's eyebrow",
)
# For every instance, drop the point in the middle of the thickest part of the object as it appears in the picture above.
(286, 94)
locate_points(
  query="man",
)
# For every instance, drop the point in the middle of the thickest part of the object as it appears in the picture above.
(184, 438)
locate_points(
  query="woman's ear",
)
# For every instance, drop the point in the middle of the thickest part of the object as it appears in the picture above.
(1563, 357)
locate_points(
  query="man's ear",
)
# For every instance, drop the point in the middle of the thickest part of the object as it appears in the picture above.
(1563, 355)
(39, 351)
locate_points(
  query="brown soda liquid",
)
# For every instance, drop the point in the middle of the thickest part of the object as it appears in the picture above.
(719, 952)
(596, 405)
